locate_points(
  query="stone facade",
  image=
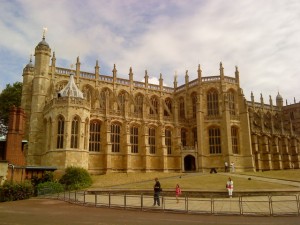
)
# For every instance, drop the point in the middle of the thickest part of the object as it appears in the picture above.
(109, 124)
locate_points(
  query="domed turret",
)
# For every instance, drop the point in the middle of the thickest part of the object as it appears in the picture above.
(279, 97)
(43, 42)
(29, 65)
(279, 100)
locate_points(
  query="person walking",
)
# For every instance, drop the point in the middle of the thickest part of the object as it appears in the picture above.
(232, 167)
(177, 192)
(226, 167)
(157, 190)
(229, 186)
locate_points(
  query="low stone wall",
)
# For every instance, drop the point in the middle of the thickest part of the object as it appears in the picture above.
(3, 171)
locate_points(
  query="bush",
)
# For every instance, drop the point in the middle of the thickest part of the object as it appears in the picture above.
(76, 178)
(35, 181)
(15, 191)
(49, 187)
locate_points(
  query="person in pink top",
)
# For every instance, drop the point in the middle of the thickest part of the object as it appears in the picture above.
(229, 186)
(177, 192)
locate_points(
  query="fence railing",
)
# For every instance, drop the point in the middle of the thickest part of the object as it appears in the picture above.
(270, 205)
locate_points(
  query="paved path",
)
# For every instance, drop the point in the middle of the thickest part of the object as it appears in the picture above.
(55, 212)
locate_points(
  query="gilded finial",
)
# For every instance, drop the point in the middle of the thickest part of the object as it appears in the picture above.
(44, 32)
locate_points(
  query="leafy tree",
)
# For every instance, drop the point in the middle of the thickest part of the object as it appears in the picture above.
(10, 96)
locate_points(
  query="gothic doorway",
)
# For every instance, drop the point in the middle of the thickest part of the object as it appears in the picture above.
(189, 163)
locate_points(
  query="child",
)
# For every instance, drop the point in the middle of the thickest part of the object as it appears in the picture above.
(178, 192)
(229, 186)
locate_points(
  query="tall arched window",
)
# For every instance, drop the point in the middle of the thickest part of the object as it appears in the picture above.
(168, 140)
(214, 140)
(115, 137)
(60, 132)
(231, 102)
(212, 103)
(134, 139)
(235, 140)
(74, 132)
(183, 137)
(181, 108)
(95, 138)
(151, 139)
(154, 104)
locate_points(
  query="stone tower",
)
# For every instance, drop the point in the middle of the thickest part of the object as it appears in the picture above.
(39, 85)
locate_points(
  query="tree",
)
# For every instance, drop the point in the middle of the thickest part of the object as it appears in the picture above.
(10, 96)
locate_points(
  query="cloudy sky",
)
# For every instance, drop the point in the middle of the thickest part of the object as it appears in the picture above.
(261, 37)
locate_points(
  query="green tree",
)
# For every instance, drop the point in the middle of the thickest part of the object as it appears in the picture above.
(76, 178)
(10, 96)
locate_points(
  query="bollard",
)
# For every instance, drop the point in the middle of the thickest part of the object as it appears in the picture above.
(270, 205)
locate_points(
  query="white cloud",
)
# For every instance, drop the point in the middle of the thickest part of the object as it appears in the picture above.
(260, 37)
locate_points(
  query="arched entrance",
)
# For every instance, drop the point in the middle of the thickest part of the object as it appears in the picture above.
(189, 163)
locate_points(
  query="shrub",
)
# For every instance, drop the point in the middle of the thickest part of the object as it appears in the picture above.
(16, 191)
(49, 187)
(76, 178)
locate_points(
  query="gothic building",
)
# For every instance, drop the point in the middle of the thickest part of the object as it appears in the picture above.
(107, 124)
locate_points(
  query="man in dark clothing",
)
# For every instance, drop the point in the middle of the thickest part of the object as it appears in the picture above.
(157, 190)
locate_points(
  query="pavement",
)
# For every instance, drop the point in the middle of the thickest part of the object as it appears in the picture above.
(36, 211)
(115, 209)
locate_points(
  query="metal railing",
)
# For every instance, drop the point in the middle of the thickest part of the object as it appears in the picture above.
(268, 205)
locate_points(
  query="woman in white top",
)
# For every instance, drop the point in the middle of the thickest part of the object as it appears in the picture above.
(229, 186)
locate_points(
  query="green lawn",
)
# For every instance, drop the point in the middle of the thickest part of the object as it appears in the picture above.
(279, 174)
(193, 181)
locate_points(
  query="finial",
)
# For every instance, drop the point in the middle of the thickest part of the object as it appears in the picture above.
(44, 32)
(270, 100)
(30, 60)
(261, 99)
(236, 69)
(221, 69)
(175, 76)
(130, 70)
